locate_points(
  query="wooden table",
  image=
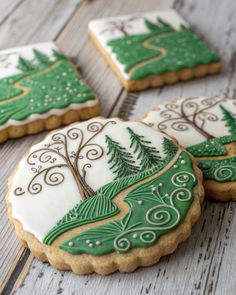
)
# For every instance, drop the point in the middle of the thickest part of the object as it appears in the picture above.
(206, 262)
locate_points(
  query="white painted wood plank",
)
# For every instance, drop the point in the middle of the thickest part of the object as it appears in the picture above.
(35, 21)
(205, 263)
(57, 14)
(7, 7)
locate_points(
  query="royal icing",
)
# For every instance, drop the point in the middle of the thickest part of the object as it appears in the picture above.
(152, 43)
(76, 173)
(206, 126)
(37, 81)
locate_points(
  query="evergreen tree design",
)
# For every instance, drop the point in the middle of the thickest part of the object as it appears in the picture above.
(147, 154)
(25, 65)
(41, 57)
(230, 120)
(58, 55)
(121, 160)
(151, 26)
(164, 25)
(169, 148)
(160, 26)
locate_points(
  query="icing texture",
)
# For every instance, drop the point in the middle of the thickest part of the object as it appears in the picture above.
(211, 124)
(100, 206)
(160, 52)
(151, 44)
(39, 85)
(62, 174)
(222, 170)
(155, 208)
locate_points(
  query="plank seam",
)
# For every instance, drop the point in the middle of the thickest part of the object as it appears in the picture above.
(11, 11)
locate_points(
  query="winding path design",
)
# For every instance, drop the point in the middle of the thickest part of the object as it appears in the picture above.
(119, 201)
(25, 90)
(146, 44)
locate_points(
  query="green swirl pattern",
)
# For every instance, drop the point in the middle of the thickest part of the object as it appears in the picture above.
(156, 208)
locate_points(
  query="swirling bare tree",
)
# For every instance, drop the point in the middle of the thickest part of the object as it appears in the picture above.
(191, 112)
(119, 25)
(65, 151)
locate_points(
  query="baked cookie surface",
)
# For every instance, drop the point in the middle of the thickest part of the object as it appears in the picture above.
(152, 49)
(104, 195)
(206, 126)
(40, 89)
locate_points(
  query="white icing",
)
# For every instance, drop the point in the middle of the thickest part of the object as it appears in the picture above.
(8, 67)
(192, 136)
(100, 29)
(9, 57)
(38, 213)
(56, 112)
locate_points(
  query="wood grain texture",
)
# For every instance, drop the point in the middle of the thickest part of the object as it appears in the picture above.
(205, 263)
(10, 152)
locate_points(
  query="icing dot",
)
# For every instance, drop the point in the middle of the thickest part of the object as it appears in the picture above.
(183, 162)
(166, 195)
(90, 245)
(140, 202)
(98, 243)
(88, 241)
(135, 236)
(175, 166)
(184, 184)
(71, 244)
(160, 184)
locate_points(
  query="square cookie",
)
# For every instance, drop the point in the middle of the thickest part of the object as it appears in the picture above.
(151, 49)
(40, 89)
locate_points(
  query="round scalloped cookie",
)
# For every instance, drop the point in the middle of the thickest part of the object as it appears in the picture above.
(104, 195)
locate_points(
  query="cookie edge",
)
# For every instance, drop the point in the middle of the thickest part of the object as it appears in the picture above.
(109, 263)
(154, 81)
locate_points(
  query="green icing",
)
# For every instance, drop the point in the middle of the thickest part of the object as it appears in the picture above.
(42, 86)
(163, 49)
(100, 206)
(221, 170)
(155, 208)
(212, 147)
(230, 120)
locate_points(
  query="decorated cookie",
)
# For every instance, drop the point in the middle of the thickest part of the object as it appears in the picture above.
(104, 195)
(206, 126)
(152, 49)
(40, 89)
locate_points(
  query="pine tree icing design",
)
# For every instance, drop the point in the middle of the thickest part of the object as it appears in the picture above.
(42, 82)
(157, 177)
(147, 154)
(160, 46)
(230, 120)
(214, 126)
(156, 208)
(122, 161)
